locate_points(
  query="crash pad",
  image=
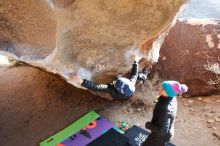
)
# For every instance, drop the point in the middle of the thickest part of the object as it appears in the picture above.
(137, 136)
(80, 132)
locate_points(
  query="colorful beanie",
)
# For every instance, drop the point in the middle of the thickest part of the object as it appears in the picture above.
(174, 88)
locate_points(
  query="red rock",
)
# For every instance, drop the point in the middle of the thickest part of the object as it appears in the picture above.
(191, 53)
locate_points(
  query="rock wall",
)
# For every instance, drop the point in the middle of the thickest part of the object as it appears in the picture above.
(191, 54)
(88, 36)
(27, 28)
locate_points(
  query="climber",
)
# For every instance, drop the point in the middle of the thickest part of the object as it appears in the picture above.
(164, 114)
(122, 88)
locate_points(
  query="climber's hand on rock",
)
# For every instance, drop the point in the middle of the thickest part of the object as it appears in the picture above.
(135, 58)
(76, 77)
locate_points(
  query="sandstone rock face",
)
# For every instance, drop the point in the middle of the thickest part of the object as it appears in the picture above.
(27, 28)
(62, 3)
(191, 54)
(88, 36)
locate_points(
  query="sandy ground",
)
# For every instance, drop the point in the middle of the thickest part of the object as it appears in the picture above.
(35, 104)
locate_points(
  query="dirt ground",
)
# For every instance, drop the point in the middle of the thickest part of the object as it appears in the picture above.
(35, 104)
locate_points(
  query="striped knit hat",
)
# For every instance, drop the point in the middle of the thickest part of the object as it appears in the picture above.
(174, 88)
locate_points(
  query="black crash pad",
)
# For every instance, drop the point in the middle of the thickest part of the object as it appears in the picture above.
(137, 136)
(110, 138)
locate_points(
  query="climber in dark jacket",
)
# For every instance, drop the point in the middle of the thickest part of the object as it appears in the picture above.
(164, 114)
(122, 88)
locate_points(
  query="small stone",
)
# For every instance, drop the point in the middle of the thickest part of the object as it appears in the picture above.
(129, 110)
(209, 114)
(199, 98)
(209, 126)
(211, 121)
(189, 105)
(207, 107)
(185, 104)
(212, 111)
(192, 110)
(190, 101)
(217, 135)
(207, 100)
(139, 109)
(217, 100)
(214, 128)
(217, 119)
(124, 111)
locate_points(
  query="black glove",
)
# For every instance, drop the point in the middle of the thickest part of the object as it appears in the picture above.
(145, 71)
(148, 125)
(152, 128)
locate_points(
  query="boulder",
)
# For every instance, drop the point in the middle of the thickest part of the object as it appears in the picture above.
(91, 37)
(27, 28)
(190, 54)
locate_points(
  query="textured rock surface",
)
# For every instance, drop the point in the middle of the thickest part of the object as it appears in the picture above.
(62, 3)
(27, 28)
(88, 36)
(191, 54)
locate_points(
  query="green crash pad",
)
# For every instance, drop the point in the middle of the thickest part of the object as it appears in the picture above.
(70, 130)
